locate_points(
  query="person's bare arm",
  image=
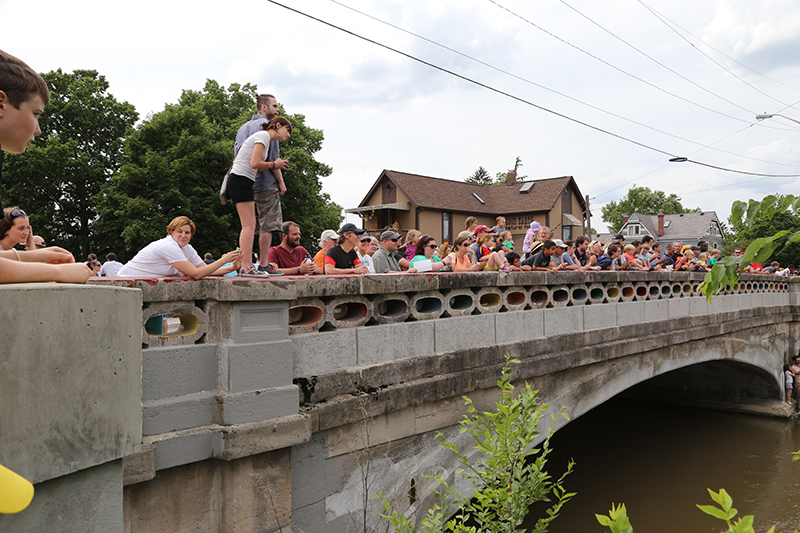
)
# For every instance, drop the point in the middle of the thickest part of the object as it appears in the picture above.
(12, 271)
(216, 269)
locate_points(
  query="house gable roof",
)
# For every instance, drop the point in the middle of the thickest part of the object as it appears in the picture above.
(677, 226)
(450, 195)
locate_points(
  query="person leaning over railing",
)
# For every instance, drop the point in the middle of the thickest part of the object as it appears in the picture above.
(462, 260)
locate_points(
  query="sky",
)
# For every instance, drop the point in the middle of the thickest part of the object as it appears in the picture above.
(606, 92)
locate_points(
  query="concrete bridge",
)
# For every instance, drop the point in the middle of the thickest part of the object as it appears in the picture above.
(284, 405)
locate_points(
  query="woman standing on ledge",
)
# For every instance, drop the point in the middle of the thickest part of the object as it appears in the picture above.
(174, 256)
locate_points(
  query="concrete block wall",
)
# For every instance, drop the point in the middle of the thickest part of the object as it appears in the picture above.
(70, 387)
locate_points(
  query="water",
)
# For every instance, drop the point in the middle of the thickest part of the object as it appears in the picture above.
(659, 460)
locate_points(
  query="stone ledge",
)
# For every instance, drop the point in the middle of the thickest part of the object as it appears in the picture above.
(226, 443)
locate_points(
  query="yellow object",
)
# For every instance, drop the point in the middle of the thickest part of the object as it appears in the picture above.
(16, 492)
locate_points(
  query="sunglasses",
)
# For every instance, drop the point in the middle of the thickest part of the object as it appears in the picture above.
(15, 213)
(394, 240)
(432, 245)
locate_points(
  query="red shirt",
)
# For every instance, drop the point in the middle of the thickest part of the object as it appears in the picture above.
(284, 259)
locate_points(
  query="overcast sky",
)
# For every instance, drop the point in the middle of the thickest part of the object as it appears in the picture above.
(682, 78)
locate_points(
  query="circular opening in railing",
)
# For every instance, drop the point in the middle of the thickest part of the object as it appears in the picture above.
(428, 305)
(748, 286)
(516, 298)
(695, 287)
(349, 312)
(579, 294)
(539, 298)
(736, 287)
(171, 325)
(460, 302)
(771, 287)
(676, 289)
(761, 286)
(666, 290)
(613, 292)
(392, 308)
(627, 292)
(560, 295)
(304, 315)
(490, 299)
(641, 291)
(687, 289)
(597, 294)
(654, 291)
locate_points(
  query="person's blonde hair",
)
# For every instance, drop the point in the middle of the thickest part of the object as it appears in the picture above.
(470, 221)
(629, 248)
(412, 236)
(179, 222)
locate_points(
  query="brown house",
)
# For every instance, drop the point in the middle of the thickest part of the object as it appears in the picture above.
(439, 207)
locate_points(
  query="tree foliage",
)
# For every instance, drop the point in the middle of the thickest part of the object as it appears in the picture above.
(177, 158)
(764, 224)
(508, 478)
(755, 216)
(81, 147)
(641, 200)
(482, 177)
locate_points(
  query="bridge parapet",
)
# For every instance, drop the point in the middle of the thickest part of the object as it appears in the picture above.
(241, 368)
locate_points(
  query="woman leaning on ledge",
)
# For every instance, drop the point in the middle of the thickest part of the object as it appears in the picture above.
(174, 256)
(46, 264)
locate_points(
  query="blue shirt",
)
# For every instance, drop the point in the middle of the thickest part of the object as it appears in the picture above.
(266, 178)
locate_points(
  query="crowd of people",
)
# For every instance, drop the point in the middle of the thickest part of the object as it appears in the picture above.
(255, 185)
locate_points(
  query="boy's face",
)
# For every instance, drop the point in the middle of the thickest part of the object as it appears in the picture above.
(18, 127)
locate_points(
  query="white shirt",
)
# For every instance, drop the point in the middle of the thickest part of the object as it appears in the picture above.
(241, 165)
(367, 261)
(110, 268)
(156, 259)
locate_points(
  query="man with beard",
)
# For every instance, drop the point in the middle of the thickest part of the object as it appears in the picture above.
(290, 257)
(268, 186)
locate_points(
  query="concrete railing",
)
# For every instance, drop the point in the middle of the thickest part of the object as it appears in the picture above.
(222, 358)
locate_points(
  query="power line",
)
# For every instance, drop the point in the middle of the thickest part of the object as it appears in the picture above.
(654, 59)
(515, 76)
(658, 16)
(511, 96)
(664, 19)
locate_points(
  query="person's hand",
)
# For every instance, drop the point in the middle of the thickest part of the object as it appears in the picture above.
(73, 273)
(307, 268)
(360, 270)
(281, 163)
(54, 255)
(232, 256)
(448, 261)
(281, 188)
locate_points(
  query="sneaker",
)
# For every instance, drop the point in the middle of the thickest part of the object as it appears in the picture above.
(271, 270)
(253, 272)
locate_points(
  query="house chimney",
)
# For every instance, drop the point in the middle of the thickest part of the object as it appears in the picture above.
(660, 223)
(625, 218)
(511, 177)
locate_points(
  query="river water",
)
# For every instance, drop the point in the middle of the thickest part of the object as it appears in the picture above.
(659, 459)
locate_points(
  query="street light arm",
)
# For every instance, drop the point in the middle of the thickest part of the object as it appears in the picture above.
(765, 116)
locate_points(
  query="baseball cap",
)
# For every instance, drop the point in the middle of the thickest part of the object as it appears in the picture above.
(16, 492)
(482, 228)
(619, 236)
(351, 227)
(389, 234)
(560, 243)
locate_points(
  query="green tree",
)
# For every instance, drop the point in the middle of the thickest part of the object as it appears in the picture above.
(641, 200)
(745, 231)
(177, 158)
(81, 147)
(480, 177)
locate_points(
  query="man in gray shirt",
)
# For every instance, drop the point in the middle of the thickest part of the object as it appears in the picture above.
(384, 259)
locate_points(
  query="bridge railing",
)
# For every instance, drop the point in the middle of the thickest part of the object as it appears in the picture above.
(228, 363)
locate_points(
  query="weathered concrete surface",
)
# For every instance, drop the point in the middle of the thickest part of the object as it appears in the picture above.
(70, 377)
(250, 494)
(87, 501)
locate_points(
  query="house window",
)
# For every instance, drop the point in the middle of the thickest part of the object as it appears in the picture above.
(566, 231)
(633, 229)
(447, 227)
